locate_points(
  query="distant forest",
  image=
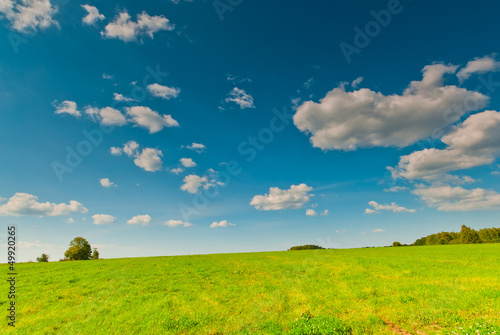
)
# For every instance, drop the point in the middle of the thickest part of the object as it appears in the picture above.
(465, 236)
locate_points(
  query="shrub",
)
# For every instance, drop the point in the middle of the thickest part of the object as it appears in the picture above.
(43, 258)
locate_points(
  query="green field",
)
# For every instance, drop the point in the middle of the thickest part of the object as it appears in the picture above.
(404, 290)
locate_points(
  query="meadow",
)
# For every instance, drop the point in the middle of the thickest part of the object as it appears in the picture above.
(450, 289)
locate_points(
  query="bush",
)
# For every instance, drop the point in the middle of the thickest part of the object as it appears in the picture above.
(396, 244)
(43, 258)
(306, 247)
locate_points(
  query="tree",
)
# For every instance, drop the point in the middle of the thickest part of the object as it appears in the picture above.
(43, 258)
(95, 254)
(396, 244)
(79, 250)
(468, 235)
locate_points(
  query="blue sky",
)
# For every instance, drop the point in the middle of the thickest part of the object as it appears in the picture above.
(232, 126)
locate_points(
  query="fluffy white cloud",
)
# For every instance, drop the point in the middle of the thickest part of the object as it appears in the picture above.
(192, 183)
(221, 224)
(474, 142)
(478, 65)
(164, 92)
(107, 116)
(29, 15)
(187, 162)
(295, 197)
(125, 29)
(103, 219)
(241, 98)
(198, 147)
(177, 223)
(147, 118)
(311, 212)
(22, 204)
(392, 207)
(67, 107)
(93, 15)
(121, 97)
(105, 182)
(140, 219)
(149, 159)
(365, 118)
(447, 198)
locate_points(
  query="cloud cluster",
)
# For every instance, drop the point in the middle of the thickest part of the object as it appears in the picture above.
(27, 16)
(241, 98)
(127, 30)
(140, 219)
(364, 118)
(148, 159)
(177, 223)
(221, 224)
(198, 147)
(447, 198)
(392, 207)
(22, 204)
(295, 197)
(478, 65)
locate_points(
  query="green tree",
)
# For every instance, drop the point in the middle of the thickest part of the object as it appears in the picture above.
(468, 235)
(396, 244)
(43, 258)
(95, 254)
(79, 250)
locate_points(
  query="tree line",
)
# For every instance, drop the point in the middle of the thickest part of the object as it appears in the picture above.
(465, 236)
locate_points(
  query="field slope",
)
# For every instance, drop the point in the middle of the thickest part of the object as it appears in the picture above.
(405, 290)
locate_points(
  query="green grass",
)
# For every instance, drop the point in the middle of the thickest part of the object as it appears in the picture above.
(404, 290)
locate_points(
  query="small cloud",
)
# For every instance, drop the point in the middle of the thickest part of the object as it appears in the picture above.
(241, 98)
(377, 230)
(197, 147)
(187, 162)
(392, 207)
(93, 15)
(370, 211)
(177, 223)
(101, 219)
(325, 212)
(105, 182)
(121, 97)
(223, 223)
(67, 107)
(107, 76)
(311, 212)
(140, 219)
(356, 82)
(396, 189)
(177, 170)
(70, 220)
(164, 92)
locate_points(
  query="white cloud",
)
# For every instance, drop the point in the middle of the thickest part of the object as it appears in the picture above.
(478, 65)
(241, 98)
(377, 230)
(149, 160)
(70, 220)
(177, 170)
(164, 92)
(392, 207)
(140, 219)
(364, 118)
(67, 107)
(296, 197)
(177, 223)
(356, 82)
(147, 118)
(325, 212)
(198, 147)
(121, 97)
(93, 15)
(447, 198)
(221, 224)
(105, 182)
(311, 212)
(103, 219)
(22, 204)
(472, 143)
(125, 29)
(107, 116)
(396, 189)
(370, 211)
(192, 183)
(107, 76)
(27, 16)
(187, 162)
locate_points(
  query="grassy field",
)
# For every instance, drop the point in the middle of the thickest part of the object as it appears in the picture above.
(405, 290)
